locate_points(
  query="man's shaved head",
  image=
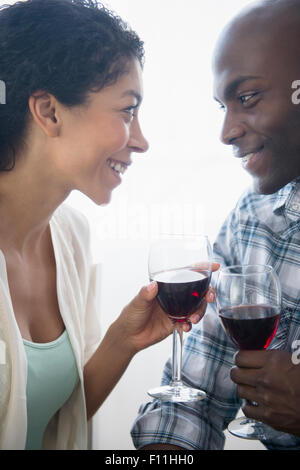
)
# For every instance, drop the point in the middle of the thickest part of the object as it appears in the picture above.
(277, 21)
(256, 60)
(265, 12)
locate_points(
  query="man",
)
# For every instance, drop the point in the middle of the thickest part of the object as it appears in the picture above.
(255, 65)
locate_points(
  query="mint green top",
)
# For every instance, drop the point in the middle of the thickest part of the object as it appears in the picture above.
(51, 378)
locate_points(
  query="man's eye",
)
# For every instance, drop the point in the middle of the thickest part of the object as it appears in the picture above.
(245, 98)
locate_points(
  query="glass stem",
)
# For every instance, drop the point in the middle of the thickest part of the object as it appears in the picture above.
(177, 353)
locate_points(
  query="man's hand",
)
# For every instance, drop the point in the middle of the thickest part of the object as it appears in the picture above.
(270, 379)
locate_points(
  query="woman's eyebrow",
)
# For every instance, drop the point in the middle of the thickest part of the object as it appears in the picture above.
(133, 93)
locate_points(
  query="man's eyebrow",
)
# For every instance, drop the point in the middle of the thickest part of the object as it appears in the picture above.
(232, 86)
(133, 93)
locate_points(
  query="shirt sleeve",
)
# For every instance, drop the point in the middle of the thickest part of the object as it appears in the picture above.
(92, 320)
(207, 360)
(89, 277)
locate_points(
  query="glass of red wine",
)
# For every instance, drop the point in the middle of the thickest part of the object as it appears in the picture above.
(181, 265)
(249, 304)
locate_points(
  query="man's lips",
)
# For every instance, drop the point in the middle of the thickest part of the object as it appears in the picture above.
(250, 157)
(246, 154)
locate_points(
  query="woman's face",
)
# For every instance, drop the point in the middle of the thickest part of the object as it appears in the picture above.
(97, 139)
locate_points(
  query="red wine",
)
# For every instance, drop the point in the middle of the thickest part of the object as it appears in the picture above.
(181, 291)
(250, 326)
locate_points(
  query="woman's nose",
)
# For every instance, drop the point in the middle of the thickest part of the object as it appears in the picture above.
(137, 142)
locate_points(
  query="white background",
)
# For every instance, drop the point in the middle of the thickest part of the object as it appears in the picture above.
(187, 181)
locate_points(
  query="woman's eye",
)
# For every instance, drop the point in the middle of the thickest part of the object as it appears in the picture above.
(130, 111)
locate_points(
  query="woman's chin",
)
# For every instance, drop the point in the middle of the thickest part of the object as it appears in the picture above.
(100, 200)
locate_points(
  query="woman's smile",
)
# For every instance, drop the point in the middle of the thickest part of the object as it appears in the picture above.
(118, 166)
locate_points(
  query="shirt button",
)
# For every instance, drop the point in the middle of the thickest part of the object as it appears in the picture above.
(295, 207)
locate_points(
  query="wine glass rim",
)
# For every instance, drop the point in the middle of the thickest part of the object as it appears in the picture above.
(257, 269)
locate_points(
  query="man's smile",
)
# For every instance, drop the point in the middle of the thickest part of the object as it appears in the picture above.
(250, 157)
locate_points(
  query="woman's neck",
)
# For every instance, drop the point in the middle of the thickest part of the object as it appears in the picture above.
(27, 202)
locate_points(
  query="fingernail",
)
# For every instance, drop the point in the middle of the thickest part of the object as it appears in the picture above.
(151, 286)
(196, 318)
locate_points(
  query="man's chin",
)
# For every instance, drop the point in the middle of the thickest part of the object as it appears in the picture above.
(265, 186)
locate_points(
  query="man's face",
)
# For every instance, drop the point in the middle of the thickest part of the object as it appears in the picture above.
(253, 75)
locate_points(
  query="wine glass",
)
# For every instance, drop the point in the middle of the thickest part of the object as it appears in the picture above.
(249, 304)
(181, 265)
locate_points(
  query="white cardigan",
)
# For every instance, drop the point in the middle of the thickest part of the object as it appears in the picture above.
(77, 289)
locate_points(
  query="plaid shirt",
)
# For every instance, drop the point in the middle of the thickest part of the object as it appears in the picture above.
(260, 230)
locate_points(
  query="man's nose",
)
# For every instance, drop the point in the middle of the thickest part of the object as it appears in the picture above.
(232, 130)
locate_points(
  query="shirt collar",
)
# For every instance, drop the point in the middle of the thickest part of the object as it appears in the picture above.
(288, 200)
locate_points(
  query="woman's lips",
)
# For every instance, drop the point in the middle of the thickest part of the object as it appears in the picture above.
(117, 166)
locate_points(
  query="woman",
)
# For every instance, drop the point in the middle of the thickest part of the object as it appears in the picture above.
(72, 74)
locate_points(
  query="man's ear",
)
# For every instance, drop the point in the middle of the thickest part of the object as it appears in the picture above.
(44, 111)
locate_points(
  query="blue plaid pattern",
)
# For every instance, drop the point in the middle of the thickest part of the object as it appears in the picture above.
(262, 229)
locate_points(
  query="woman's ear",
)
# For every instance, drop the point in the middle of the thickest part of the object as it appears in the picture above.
(44, 109)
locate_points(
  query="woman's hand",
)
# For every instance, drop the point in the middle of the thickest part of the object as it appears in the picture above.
(143, 322)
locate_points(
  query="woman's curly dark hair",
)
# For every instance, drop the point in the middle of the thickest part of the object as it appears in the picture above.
(65, 47)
